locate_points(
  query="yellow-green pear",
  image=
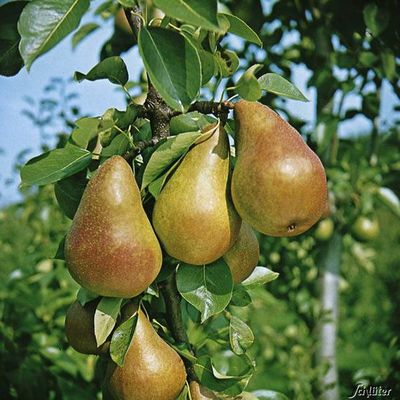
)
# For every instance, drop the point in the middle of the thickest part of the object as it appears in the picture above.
(152, 369)
(279, 183)
(193, 215)
(111, 248)
(79, 328)
(243, 256)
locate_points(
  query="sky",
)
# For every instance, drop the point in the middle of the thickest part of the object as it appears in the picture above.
(17, 132)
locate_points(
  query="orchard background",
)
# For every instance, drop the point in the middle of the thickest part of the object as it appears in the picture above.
(349, 55)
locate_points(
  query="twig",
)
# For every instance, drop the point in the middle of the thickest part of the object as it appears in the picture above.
(174, 318)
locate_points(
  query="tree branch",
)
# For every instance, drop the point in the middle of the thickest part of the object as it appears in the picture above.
(174, 318)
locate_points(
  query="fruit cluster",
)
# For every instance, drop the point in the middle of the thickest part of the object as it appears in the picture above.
(278, 187)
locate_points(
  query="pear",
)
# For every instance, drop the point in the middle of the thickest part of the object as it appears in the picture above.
(243, 256)
(193, 215)
(279, 183)
(152, 369)
(79, 328)
(111, 248)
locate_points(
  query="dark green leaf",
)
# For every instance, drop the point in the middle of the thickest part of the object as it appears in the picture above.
(240, 28)
(83, 32)
(202, 13)
(240, 335)
(55, 165)
(60, 250)
(207, 287)
(274, 83)
(69, 192)
(122, 339)
(118, 146)
(190, 122)
(240, 296)
(10, 58)
(177, 81)
(127, 3)
(248, 86)
(105, 318)
(260, 276)
(111, 68)
(44, 23)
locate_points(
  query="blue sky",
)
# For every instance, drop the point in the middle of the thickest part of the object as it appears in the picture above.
(17, 133)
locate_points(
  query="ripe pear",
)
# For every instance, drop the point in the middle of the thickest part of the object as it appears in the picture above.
(279, 183)
(243, 256)
(111, 248)
(152, 369)
(193, 215)
(79, 328)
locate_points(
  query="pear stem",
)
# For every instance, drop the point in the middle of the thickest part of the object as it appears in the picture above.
(175, 322)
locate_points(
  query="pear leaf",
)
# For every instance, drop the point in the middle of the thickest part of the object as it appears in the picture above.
(166, 154)
(269, 395)
(105, 318)
(83, 32)
(276, 84)
(177, 82)
(55, 165)
(248, 86)
(238, 27)
(122, 339)
(240, 296)
(260, 276)
(241, 336)
(208, 288)
(85, 296)
(111, 68)
(44, 23)
(202, 13)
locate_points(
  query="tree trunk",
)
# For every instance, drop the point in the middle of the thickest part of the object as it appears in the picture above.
(329, 321)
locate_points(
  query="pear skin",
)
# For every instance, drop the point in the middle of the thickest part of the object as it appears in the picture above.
(193, 215)
(243, 256)
(111, 248)
(79, 328)
(152, 369)
(279, 183)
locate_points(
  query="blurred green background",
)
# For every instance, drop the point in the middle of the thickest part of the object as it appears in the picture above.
(347, 60)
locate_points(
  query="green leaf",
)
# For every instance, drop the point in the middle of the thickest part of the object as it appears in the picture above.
(173, 65)
(389, 64)
(240, 296)
(127, 3)
(260, 276)
(210, 377)
(44, 23)
(190, 122)
(122, 339)
(240, 28)
(60, 250)
(240, 335)
(248, 86)
(274, 83)
(119, 145)
(85, 131)
(83, 32)
(227, 61)
(105, 318)
(156, 186)
(10, 58)
(376, 19)
(111, 68)
(166, 154)
(85, 296)
(55, 165)
(69, 191)
(208, 288)
(390, 199)
(201, 13)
